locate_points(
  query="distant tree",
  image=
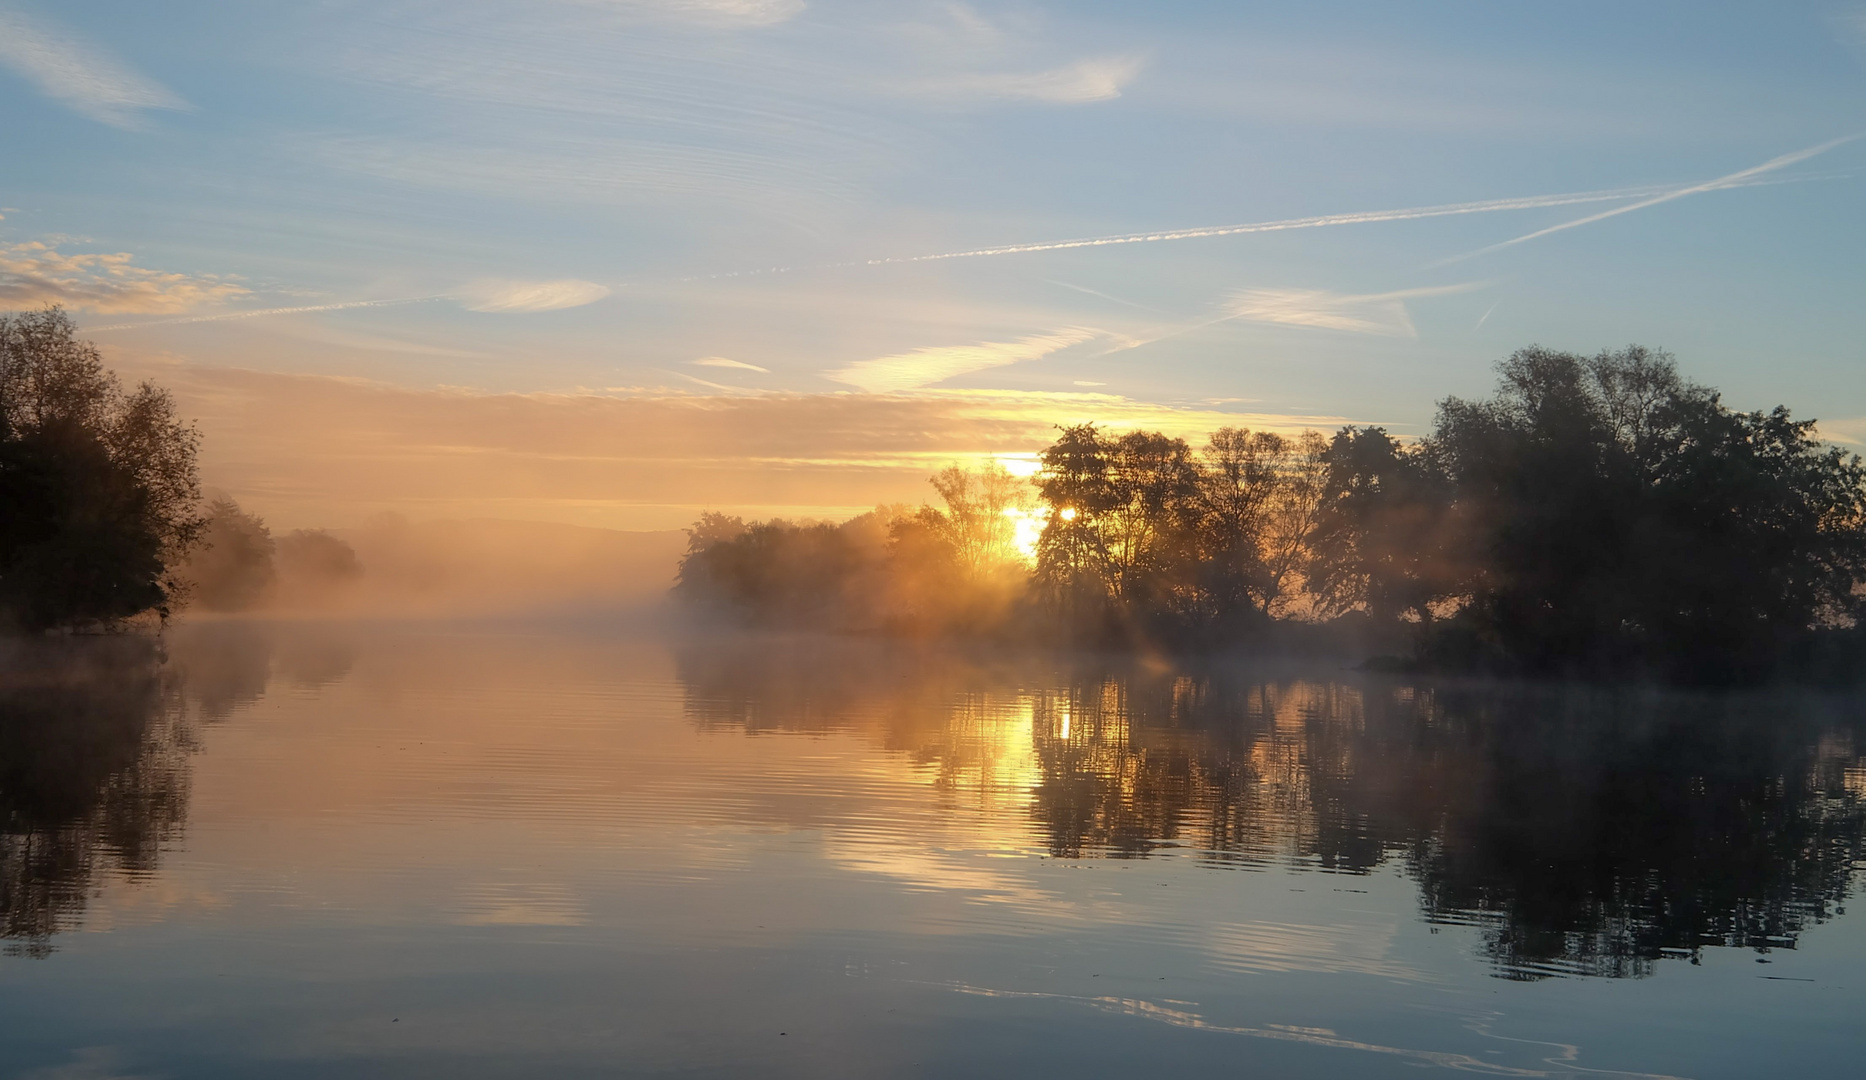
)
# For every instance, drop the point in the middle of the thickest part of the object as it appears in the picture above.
(776, 573)
(231, 567)
(1261, 496)
(312, 563)
(98, 486)
(979, 518)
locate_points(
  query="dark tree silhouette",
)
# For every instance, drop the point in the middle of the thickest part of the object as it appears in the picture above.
(97, 484)
(1613, 516)
(1599, 516)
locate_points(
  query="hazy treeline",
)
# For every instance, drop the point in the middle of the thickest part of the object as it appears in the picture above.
(238, 565)
(1597, 515)
(392, 566)
(103, 522)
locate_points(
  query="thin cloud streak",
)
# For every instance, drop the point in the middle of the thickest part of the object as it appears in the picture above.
(230, 315)
(723, 362)
(925, 367)
(499, 296)
(1382, 314)
(1365, 217)
(82, 76)
(1741, 178)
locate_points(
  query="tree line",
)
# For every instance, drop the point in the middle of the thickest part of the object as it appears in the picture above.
(1596, 516)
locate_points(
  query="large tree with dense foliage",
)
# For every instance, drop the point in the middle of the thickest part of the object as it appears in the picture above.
(98, 488)
(1613, 515)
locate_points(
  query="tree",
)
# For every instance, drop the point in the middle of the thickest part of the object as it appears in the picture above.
(98, 485)
(1382, 539)
(1619, 516)
(231, 567)
(980, 516)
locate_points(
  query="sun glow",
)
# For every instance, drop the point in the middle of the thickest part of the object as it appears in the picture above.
(1027, 526)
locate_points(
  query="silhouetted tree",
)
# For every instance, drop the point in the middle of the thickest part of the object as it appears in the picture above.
(1615, 515)
(1383, 540)
(97, 485)
(777, 573)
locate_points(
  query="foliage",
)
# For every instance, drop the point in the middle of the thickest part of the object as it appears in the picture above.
(231, 569)
(98, 484)
(1598, 516)
(1614, 516)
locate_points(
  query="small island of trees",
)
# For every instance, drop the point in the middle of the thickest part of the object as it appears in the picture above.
(1598, 516)
(102, 519)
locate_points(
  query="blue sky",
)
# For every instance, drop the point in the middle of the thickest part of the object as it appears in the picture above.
(727, 198)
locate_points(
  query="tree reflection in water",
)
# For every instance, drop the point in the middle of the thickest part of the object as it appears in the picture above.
(95, 739)
(93, 776)
(1581, 831)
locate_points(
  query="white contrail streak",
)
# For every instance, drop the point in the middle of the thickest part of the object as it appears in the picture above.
(1649, 193)
(263, 311)
(1489, 206)
(1741, 178)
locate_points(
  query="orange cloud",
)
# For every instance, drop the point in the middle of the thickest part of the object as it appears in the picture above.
(318, 450)
(34, 274)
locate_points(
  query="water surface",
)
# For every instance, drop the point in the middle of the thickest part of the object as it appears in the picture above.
(319, 850)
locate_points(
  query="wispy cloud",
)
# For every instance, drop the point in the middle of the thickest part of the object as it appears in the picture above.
(256, 313)
(1740, 178)
(706, 12)
(83, 76)
(33, 274)
(1849, 430)
(1098, 78)
(528, 296)
(722, 362)
(926, 367)
(1383, 314)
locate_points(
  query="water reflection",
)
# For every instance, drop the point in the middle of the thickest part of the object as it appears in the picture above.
(96, 735)
(1581, 831)
(93, 776)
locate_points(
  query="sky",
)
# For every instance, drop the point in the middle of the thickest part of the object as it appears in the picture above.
(610, 262)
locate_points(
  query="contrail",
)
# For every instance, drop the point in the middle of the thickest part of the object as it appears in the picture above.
(1741, 178)
(1650, 193)
(263, 311)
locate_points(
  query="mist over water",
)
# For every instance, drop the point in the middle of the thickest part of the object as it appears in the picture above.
(398, 849)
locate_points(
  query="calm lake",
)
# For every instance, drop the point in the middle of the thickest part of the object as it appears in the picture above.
(321, 850)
